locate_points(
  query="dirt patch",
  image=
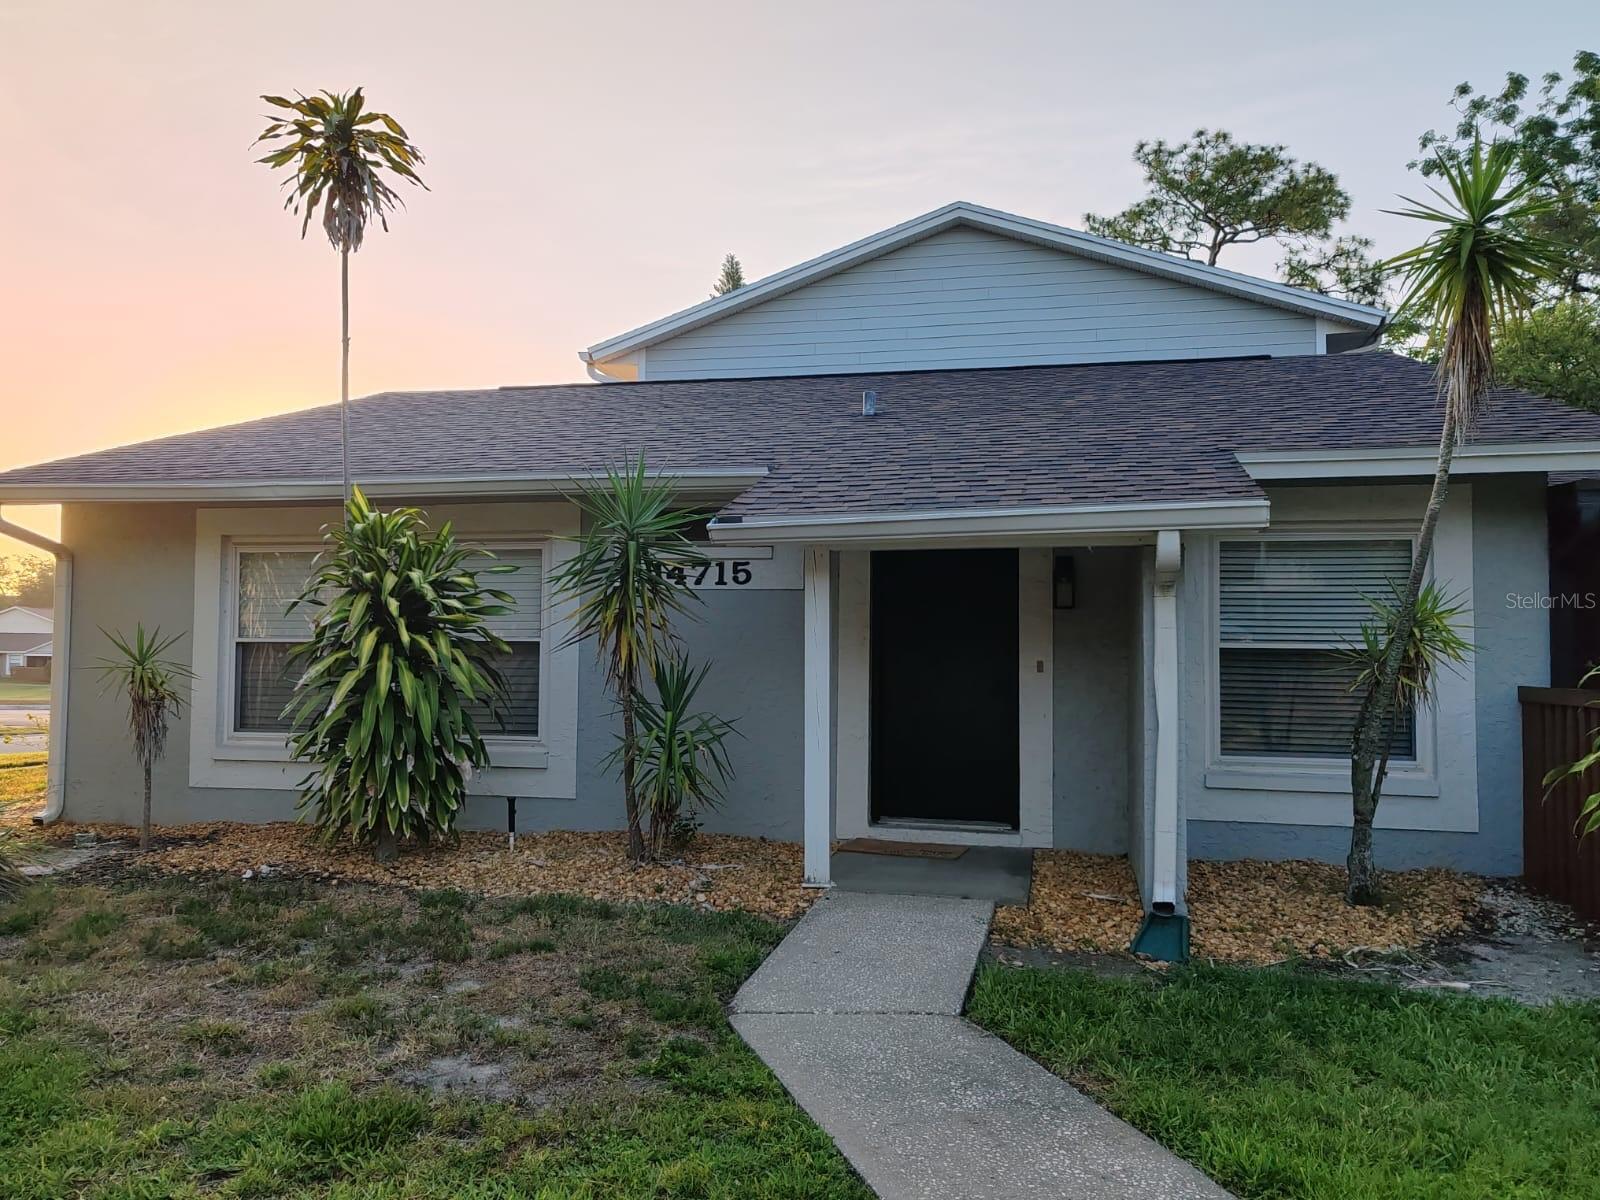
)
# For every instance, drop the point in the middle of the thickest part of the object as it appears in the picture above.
(217, 979)
(1519, 946)
(719, 873)
(1248, 912)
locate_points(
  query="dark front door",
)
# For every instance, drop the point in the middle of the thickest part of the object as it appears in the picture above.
(944, 686)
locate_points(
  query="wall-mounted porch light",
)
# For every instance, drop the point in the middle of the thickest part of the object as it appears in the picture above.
(1064, 582)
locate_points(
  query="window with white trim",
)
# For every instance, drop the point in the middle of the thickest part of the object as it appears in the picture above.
(523, 630)
(1286, 608)
(264, 633)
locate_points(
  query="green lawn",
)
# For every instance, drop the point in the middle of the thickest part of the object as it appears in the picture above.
(12, 692)
(1285, 1085)
(258, 1038)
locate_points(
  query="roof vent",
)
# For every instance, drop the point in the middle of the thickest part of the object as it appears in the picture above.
(869, 403)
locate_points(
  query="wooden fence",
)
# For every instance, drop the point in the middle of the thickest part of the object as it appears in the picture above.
(1558, 725)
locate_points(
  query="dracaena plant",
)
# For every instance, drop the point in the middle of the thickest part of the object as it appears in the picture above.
(152, 684)
(1479, 268)
(400, 656)
(626, 583)
(681, 755)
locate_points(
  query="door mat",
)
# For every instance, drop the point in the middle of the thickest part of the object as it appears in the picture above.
(902, 849)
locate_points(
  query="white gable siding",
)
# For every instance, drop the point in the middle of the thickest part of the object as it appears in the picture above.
(968, 298)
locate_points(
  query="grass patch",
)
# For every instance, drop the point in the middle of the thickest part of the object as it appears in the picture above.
(13, 691)
(268, 1037)
(1283, 1084)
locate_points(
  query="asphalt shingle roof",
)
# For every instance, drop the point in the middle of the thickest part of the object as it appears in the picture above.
(1055, 435)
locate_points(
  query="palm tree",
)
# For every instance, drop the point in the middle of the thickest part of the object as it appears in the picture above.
(151, 683)
(627, 583)
(1478, 269)
(340, 153)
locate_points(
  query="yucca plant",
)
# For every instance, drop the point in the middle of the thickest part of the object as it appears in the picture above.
(1478, 269)
(12, 881)
(398, 654)
(151, 682)
(681, 756)
(626, 583)
(340, 154)
(1433, 643)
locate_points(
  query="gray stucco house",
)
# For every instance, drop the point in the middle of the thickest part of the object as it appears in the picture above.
(1021, 537)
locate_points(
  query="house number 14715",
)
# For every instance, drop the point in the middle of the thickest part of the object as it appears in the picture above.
(717, 573)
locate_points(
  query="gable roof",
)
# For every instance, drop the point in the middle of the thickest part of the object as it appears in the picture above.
(1182, 270)
(23, 643)
(1123, 436)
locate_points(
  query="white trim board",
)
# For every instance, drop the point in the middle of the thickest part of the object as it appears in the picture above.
(544, 767)
(1045, 523)
(1058, 237)
(542, 484)
(1473, 458)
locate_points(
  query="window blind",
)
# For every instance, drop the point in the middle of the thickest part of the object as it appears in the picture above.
(269, 581)
(1286, 609)
(1309, 593)
(525, 621)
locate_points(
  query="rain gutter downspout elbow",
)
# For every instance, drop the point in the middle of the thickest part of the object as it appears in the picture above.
(60, 668)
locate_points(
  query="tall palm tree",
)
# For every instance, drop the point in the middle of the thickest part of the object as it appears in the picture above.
(1478, 269)
(151, 682)
(340, 153)
(627, 583)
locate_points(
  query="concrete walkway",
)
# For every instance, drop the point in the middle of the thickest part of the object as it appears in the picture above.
(858, 1013)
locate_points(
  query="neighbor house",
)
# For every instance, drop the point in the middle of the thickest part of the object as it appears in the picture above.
(1019, 537)
(25, 641)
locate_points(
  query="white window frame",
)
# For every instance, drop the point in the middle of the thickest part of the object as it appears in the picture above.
(253, 742)
(222, 756)
(1400, 769)
(1436, 792)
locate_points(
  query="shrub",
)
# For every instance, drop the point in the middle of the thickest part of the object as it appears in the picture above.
(399, 652)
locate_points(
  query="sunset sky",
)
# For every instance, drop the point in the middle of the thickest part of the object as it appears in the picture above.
(591, 163)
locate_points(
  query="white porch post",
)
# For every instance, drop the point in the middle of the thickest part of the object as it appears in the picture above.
(1164, 840)
(818, 771)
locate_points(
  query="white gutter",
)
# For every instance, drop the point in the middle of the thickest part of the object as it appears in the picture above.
(1164, 818)
(1045, 521)
(55, 801)
(1474, 458)
(520, 483)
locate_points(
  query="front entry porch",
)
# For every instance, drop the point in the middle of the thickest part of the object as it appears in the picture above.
(940, 709)
(999, 874)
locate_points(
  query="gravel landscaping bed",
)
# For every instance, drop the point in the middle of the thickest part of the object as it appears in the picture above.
(718, 873)
(1246, 912)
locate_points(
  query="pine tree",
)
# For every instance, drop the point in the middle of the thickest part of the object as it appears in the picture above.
(731, 279)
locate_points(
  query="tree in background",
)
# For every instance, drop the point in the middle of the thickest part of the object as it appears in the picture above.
(28, 579)
(151, 682)
(1555, 135)
(340, 153)
(731, 279)
(1478, 269)
(399, 654)
(1212, 192)
(1554, 351)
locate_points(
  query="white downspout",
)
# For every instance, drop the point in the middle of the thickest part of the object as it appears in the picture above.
(1164, 843)
(60, 669)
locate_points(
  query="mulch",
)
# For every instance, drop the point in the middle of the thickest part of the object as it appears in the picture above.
(718, 872)
(1245, 912)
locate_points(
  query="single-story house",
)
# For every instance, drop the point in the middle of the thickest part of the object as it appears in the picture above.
(1020, 537)
(24, 638)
